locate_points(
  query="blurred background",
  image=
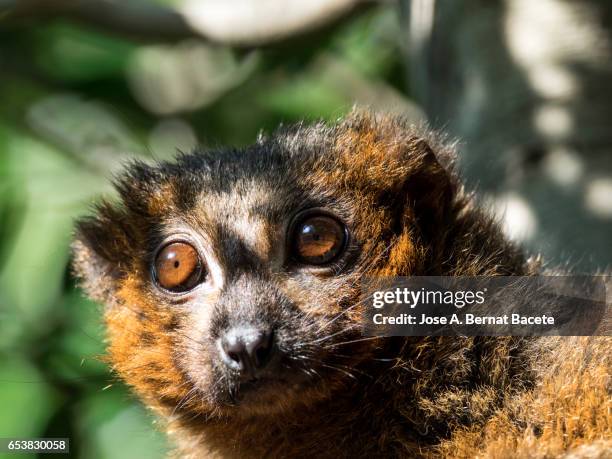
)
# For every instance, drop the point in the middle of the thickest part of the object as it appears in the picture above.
(524, 87)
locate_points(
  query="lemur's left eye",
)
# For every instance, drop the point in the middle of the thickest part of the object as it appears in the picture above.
(178, 267)
(318, 239)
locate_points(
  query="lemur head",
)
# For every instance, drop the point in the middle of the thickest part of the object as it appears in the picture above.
(231, 278)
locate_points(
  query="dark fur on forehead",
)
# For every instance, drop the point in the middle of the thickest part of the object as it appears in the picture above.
(284, 158)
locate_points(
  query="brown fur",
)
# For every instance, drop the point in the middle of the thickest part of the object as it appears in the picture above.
(388, 397)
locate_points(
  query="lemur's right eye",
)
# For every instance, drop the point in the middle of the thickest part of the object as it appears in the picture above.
(178, 267)
(318, 239)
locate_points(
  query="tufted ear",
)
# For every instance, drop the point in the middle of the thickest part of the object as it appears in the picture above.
(101, 252)
(401, 164)
(429, 189)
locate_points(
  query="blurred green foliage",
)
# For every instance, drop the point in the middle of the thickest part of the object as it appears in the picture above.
(75, 104)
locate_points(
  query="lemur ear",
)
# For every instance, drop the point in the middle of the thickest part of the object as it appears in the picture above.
(101, 251)
(401, 164)
(429, 188)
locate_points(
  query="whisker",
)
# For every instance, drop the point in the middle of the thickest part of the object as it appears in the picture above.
(349, 374)
(337, 367)
(185, 399)
(327, 324)
(327, 337)
(353, 341)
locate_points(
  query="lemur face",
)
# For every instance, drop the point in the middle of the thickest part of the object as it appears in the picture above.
(232, 278)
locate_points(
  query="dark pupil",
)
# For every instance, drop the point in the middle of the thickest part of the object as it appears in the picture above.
(320, 239)
(178, 267)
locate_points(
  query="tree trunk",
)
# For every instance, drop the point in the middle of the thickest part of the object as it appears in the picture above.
(526, 87)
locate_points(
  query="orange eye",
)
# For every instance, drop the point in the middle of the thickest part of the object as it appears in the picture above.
(178, 267)
(318, 240)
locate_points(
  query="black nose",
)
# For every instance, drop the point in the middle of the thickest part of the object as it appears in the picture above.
(246, 349)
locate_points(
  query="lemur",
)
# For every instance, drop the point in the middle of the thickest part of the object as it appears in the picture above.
(230, 283)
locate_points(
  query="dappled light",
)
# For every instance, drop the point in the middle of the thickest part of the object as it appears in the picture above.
(522, 89)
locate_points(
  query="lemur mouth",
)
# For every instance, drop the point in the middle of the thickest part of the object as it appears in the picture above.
(259, 384)
(267, 389)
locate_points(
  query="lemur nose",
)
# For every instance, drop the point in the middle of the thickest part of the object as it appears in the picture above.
(246, 349)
